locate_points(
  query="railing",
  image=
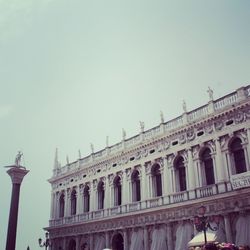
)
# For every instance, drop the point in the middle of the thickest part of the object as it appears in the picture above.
(176, 123)
(145, 205)
(225, 101)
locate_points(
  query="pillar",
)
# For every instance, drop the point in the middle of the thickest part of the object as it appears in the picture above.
(107, 239)
(228, 229)
(145, 238)
(17, 174)
(125, 239)
(169, 237)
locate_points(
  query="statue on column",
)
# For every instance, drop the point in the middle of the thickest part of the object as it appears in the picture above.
(18, 158)
(107, 141)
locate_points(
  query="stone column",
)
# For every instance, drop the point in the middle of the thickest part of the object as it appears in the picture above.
(248, 147)
(16, 174)
(125, 239)
(228, 229)
(220, 168)
(78, 242)
(125, 188)
(169, 237)
(191, 173)
(91, 242)
(107, 239)
(143, 183)
(145, 238)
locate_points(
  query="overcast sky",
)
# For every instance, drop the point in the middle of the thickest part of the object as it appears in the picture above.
(74, 72)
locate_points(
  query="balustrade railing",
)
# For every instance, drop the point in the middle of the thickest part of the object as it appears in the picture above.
(175, 198)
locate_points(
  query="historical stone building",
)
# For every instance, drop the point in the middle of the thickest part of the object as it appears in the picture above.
(144, 192)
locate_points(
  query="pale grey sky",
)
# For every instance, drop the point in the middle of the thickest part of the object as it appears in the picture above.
(73, 72)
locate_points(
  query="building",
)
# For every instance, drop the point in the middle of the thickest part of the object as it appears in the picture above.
(144, 192)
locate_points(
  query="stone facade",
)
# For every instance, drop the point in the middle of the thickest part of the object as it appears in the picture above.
(147, 189)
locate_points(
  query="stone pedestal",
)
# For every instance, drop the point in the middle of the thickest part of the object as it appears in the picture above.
(16, 173)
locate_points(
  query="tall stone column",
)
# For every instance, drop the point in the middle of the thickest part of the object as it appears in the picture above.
(16, 174)
(125, 237)
(228, 228)
(169, 237)
(107, 239)
(145, 238)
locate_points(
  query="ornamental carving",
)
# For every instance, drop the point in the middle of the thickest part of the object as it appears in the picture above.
(209, 128)
(182, 139)
(239, 117)
(218, 125)
(190, 135)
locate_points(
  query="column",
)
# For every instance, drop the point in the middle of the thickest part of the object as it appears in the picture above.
(125, 187)
(78, 242)
(106, 193)
(246, 157)
(92, 196)
(16, 174)
(248, 147)
(166, 176)
(91, 242)
(228, 229)
(143, 183)
(145, 238)
(169, 237)
(64, 243)
(125, 239)
(190, 167)
(67, 203)
(219, 167)
(80, 200)
(107, 239)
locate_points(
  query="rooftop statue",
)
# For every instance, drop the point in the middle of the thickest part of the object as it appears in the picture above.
(210, 93)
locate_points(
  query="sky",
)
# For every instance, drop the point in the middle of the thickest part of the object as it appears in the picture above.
(74, 72)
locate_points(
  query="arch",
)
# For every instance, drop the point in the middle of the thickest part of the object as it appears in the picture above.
(73, 202)
(136, 185)
(100, 195)
(237, 156)
(86, 199)
(72, 245)
(117, 242)
(61, 205)
(207, 166)
(156, 180)
(180, 170)
(117, 191)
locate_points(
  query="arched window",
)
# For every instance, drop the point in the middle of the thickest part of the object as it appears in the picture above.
(180, 174)
(238, 156)
(73, 202)
(117, 191)
(72, 245)
(207, 167)
(136, 186)
(61, 205)
(100, 191)
(156, 180)
(86, 199)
